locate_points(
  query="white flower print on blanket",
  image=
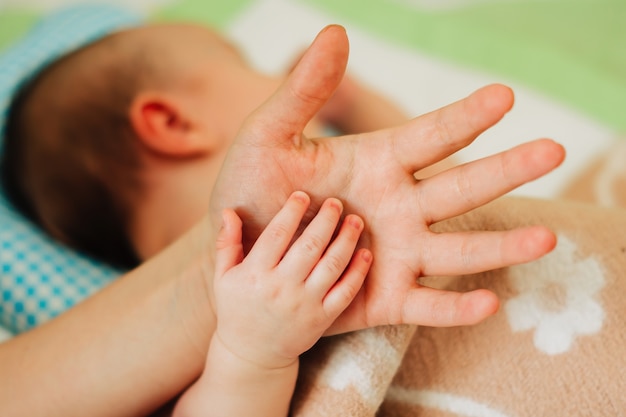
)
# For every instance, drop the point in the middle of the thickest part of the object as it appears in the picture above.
(556, 296)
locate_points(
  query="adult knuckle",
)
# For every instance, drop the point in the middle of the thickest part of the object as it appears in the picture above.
(305, 95)
(443, 131)
(464, 186)
(466, 255)
(441, 313)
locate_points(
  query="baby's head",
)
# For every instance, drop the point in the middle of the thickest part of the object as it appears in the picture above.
(114, 148)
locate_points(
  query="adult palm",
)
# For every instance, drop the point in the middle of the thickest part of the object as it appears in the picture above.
(373, 173)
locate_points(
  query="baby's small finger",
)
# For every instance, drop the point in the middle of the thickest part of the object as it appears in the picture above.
(336, 258)
(271, 245)
(346, 289)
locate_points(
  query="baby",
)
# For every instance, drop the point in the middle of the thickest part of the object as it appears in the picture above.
(131, 132)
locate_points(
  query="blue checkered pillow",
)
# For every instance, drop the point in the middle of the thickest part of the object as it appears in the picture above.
(40, 278)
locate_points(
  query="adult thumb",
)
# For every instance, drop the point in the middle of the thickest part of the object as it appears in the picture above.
(310, 84)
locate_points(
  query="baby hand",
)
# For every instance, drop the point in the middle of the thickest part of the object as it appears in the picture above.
(278, 301)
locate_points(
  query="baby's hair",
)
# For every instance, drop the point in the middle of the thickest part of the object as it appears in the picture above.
(70, 161)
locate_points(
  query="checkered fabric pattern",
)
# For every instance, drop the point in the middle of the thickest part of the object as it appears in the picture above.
(40, 278)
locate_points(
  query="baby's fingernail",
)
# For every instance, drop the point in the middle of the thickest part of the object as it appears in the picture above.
(355, 221)
(300, 196)
(366, 256)
(335, 204)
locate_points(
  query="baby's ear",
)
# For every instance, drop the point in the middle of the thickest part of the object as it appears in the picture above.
(162, 124)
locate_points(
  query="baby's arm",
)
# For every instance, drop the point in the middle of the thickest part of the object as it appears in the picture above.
(274, 305)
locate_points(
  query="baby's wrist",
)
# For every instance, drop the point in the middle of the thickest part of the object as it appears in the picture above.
(232, 386)
(249, 358)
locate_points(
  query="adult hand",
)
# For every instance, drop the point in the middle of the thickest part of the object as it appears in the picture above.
(373, 174)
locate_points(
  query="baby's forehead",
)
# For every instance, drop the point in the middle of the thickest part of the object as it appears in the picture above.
(179, 33)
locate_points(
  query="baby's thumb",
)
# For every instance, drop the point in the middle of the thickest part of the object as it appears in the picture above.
(228, 246)
(312, 82)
